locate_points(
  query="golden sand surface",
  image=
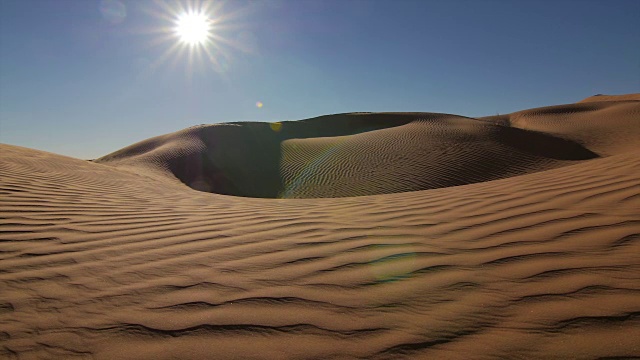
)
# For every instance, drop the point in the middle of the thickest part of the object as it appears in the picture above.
(351, 236)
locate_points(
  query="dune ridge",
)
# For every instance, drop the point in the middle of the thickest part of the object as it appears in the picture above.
(538, 259)
(367, 154)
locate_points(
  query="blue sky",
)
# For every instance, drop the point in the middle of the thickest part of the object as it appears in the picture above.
(84, 78)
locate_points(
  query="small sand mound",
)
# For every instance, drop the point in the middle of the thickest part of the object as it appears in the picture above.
(602, 97)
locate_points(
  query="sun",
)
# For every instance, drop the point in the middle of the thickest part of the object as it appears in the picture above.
(199, 34)
(193, 28)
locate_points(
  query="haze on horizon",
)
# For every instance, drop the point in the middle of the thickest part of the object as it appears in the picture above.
(85, 78)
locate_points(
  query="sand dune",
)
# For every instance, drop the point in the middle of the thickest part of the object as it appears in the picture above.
(601, 97)
(411, 236)
(360, 154)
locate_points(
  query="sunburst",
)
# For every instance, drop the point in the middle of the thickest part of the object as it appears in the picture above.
(194, 34)
(193, 28)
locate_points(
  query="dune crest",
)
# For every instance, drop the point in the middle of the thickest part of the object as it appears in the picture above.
(602, 97)
(532, 255)
(380, 153)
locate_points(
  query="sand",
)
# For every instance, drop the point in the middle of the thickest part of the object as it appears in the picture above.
(352, 236)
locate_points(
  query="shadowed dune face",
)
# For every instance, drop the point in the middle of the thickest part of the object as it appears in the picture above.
(238, 159)
(368, 154)
(606, 128)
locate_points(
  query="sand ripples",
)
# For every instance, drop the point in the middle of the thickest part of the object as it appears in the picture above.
(100, 262)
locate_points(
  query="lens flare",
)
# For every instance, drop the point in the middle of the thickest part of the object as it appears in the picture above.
(394, 267)
(113, 11)
(299, 179)
(276, 126)
(259, 104)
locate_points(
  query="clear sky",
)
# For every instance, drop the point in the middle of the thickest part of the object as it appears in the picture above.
(87, 77)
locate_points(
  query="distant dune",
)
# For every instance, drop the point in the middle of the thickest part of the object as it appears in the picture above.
(602, 97)
(350, 236)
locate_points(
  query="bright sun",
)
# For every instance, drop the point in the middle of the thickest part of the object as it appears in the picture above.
(193, 28)
(195, 31)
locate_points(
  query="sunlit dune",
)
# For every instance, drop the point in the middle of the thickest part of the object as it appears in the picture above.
(348, 236)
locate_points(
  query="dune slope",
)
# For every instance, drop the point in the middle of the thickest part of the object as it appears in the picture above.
(119, 259)
(359, 154)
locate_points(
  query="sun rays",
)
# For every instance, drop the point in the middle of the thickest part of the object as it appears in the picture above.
(197, 35)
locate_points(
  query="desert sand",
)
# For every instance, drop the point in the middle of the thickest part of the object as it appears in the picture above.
(350, 236)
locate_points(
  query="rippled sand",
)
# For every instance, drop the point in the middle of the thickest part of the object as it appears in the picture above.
(352, 236)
